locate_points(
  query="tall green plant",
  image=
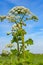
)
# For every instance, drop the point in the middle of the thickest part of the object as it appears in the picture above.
(18, 15)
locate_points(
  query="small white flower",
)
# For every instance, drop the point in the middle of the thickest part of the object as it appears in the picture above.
(7, 17)
(14, 27)
(18, 25)
(9, 13)
(16, 12)
(17, 17)
(27, 14)
(13, 10)
(22, 10)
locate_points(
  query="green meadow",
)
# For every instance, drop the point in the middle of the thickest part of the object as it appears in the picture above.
(33, 59)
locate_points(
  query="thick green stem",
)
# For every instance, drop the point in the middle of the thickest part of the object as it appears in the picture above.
(23, 46)
(18, 49)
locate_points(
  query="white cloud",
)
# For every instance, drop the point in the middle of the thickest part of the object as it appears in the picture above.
(41, 29)
(3, 42)
(39, 33)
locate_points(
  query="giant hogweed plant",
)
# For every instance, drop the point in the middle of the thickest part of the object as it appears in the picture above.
(19, 15)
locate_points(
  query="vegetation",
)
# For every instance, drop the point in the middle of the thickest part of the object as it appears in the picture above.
(19, 55)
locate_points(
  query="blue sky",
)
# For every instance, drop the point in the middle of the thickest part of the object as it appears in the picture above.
(34, 30)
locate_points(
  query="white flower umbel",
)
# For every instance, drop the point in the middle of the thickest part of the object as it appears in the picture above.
(5, 52)
(19, 10)
(14, 27)
(9, 45)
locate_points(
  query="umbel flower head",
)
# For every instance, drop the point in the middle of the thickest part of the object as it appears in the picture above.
(20, 13)
(19, 10)
(2, 18)
(5, 52)
(9, 45)
(16, 27)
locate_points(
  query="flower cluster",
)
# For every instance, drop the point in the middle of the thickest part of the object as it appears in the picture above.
(19, 10)
(5, 52)
(19, 13)
(2, 18)
(10, 45)
(16, 27)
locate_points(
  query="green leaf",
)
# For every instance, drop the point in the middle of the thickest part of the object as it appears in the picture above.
(22, 23)
(14, 39)
(29, 41)
(33, 17)
(14, 51)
